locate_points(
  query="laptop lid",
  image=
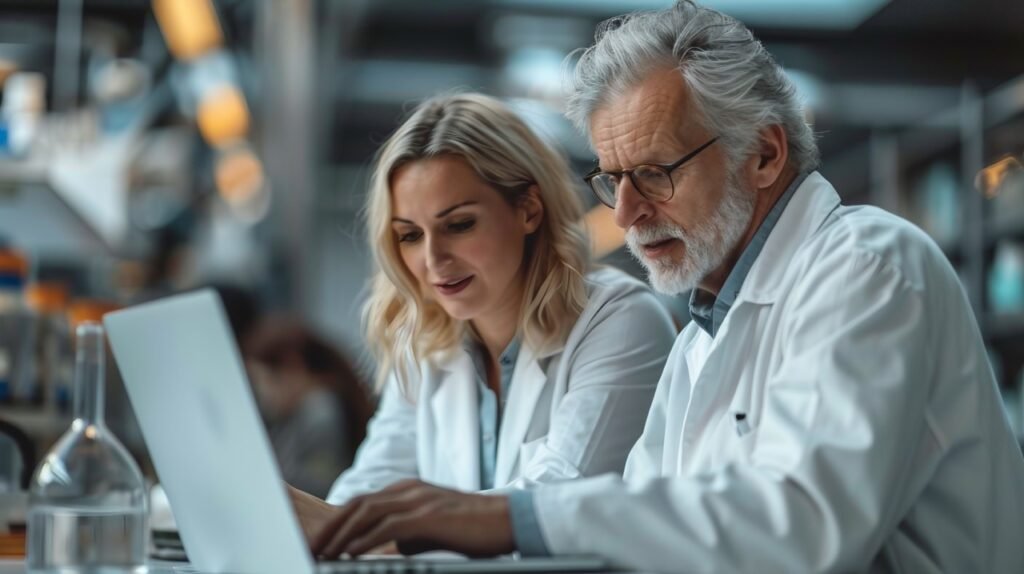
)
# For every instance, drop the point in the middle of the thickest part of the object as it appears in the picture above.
(186, 382)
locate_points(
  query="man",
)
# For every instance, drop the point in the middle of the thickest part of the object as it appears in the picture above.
(829, 409)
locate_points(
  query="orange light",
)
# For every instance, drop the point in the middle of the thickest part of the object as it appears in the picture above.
(990, 180)
(239, 176)
(7, 68)
(12, 261)
(605, 236)
(189, 26)
(84, 310)
(223, 116)
(47, 297)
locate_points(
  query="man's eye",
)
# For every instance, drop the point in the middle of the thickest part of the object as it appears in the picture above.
(461, 226)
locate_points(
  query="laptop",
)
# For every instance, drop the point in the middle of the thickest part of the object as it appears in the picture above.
(186, 382)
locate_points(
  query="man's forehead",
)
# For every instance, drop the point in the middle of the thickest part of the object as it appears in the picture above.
(644, 119)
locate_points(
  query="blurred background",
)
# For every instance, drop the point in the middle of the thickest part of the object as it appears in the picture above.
(150, 147)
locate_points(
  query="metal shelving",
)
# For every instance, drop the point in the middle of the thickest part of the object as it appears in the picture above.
(960, 136)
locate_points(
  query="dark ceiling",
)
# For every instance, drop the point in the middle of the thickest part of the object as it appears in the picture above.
(909, 43)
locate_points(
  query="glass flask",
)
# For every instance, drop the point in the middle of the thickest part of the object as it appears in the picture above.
(87, 502)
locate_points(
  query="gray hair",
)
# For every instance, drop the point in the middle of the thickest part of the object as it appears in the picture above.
(737, 86)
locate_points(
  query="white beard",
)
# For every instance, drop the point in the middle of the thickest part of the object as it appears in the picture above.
(706, 246)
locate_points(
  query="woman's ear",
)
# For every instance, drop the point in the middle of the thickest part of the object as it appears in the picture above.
(532, 208)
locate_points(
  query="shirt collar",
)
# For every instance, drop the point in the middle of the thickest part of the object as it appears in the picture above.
(709, 311)
(475, 349)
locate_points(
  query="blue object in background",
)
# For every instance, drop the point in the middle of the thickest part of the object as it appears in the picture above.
(1006, 278)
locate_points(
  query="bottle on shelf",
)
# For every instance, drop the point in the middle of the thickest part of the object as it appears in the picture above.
(87, 501)
(1006, 278)
(17, 332)
(52, 346)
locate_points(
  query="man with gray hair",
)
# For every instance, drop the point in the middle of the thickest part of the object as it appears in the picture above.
(829, 409)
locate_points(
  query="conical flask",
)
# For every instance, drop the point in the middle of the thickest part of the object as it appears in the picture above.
(87, 501)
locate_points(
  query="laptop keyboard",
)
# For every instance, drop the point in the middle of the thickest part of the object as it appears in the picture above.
(375, 566)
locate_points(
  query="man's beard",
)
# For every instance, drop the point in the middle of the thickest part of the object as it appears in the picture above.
(706, 246)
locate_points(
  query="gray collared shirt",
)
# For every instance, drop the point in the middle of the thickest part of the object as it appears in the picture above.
(490, 410)
(709, 311)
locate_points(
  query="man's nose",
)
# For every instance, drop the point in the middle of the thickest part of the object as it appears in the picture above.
(631, 207)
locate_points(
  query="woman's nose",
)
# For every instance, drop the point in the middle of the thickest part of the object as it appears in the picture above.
(438, 255)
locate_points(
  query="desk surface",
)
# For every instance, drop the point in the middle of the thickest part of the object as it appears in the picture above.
(8, 566)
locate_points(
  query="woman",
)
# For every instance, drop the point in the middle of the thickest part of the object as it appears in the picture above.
(314, 404)
(503, 360)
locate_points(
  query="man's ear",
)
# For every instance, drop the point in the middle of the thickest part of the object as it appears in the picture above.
(772, 155)
(532, 208)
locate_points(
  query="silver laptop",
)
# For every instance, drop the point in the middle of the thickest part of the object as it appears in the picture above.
(186, 382)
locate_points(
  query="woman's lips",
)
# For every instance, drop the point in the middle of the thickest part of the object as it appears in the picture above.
(453, 287)
(659, 248)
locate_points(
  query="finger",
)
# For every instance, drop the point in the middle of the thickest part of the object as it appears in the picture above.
(326, 531)
(364, 518)
(394, 527)
(321, 545)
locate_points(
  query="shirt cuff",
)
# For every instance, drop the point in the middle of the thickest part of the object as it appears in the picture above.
(525, 528)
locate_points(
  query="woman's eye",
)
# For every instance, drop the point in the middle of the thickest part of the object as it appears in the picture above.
(409, 237)
(460, 226)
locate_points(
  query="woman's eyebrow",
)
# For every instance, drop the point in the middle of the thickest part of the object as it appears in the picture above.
(445, 212)
(439, 214)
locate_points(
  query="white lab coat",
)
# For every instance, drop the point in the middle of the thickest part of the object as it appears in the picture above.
(572, 411)
(874, 439)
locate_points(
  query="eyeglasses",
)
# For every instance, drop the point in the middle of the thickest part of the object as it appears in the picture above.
(653, 181)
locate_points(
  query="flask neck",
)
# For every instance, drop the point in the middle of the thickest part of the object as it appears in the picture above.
(89, 374)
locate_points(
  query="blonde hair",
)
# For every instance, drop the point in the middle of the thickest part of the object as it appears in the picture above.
(402, 327)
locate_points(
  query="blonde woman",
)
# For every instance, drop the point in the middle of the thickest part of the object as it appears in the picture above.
(504, 358)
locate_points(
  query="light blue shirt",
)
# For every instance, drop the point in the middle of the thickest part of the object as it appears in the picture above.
(528, 536)
(490, 410)
(708, 312)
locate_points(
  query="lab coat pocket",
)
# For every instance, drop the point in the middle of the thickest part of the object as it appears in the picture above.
(738, 438)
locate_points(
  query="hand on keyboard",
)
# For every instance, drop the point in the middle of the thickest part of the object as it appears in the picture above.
(418, 517)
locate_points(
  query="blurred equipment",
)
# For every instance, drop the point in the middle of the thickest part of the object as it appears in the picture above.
(1003, 183)
(990, 180)
(17, 459)
(242, 184)
(24, 102)
(223, 116)
(88, 502)
(1006, 278)
(189, 26)
(938, 198)
(17, 331)
(53, 355)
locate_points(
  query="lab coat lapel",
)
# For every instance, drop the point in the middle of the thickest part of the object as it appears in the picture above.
(715, 365)
(528, 381)
(455, 410)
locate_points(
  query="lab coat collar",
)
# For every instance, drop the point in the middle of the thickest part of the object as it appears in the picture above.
(812, 203)
(528, 382)
(455, 404)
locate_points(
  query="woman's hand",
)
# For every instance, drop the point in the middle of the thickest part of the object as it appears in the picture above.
(418, 517)
(311, 511)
